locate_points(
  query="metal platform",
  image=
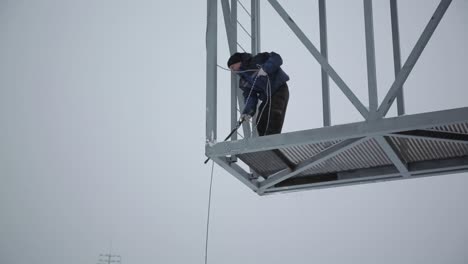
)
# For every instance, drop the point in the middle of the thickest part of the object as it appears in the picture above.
(377, 149)
(388, 149)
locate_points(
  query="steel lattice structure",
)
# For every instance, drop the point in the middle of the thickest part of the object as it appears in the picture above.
(377, 149)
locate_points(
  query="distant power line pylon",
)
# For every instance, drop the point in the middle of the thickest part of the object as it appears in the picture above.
(109, 258)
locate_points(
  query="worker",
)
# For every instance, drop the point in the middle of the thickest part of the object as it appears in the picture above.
(261, 78)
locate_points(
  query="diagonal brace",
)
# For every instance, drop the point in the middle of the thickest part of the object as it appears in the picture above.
(413, 58)
(393, 154)
(320, 59)
(228, 25)
(237, 171)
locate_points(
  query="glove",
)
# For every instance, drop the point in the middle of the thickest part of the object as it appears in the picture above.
(261, 72)
(245, 117)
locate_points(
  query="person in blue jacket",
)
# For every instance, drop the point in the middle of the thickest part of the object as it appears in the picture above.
(261, 78)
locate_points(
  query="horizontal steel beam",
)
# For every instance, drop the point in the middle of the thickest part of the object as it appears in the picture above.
(377, 127)
(386, 173)
(433, 135)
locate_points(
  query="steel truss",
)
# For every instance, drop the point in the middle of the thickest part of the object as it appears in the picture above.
(377, 149)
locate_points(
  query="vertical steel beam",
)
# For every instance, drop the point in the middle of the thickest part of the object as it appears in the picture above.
(231, 33)
(397, 63)
(397, 53)
(229, 26)
(234, 76)
(255, 42)
(230, 22)
(324, 51)
(370, 54)
(211, 73)
(413, 57)
(255, 26)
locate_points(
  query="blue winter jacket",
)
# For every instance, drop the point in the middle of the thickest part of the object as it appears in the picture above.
(270, 62)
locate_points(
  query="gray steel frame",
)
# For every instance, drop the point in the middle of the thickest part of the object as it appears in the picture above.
(413, 57)
(370, 52)
(379, 127)
(211, 76)
(382, 174)
(375, 126)
(396, 52)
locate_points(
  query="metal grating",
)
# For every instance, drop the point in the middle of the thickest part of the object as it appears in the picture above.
(461, 128)
(413, 150)
(264, 162)
(425, 152)
(365, 155)
(297, 154)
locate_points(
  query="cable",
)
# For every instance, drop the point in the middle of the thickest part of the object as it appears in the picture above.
(212, 164)
(226, 69)
(242, 48)
(245, 30)
(268, 92)
(245, 9)
(253, 85)
(269, 106)
(208, 217)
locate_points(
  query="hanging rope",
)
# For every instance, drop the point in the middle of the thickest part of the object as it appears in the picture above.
(268, 92)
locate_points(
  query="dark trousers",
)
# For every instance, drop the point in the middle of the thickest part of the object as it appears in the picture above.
(279, 103)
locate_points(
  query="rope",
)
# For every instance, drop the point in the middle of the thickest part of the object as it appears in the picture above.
(212, 165)
(208, 217)
(268, 92)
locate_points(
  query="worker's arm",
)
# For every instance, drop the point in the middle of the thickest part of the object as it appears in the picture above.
(250, 102)
(273, 63)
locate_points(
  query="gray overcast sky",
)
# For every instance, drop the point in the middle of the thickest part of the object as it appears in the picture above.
(102, 117)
